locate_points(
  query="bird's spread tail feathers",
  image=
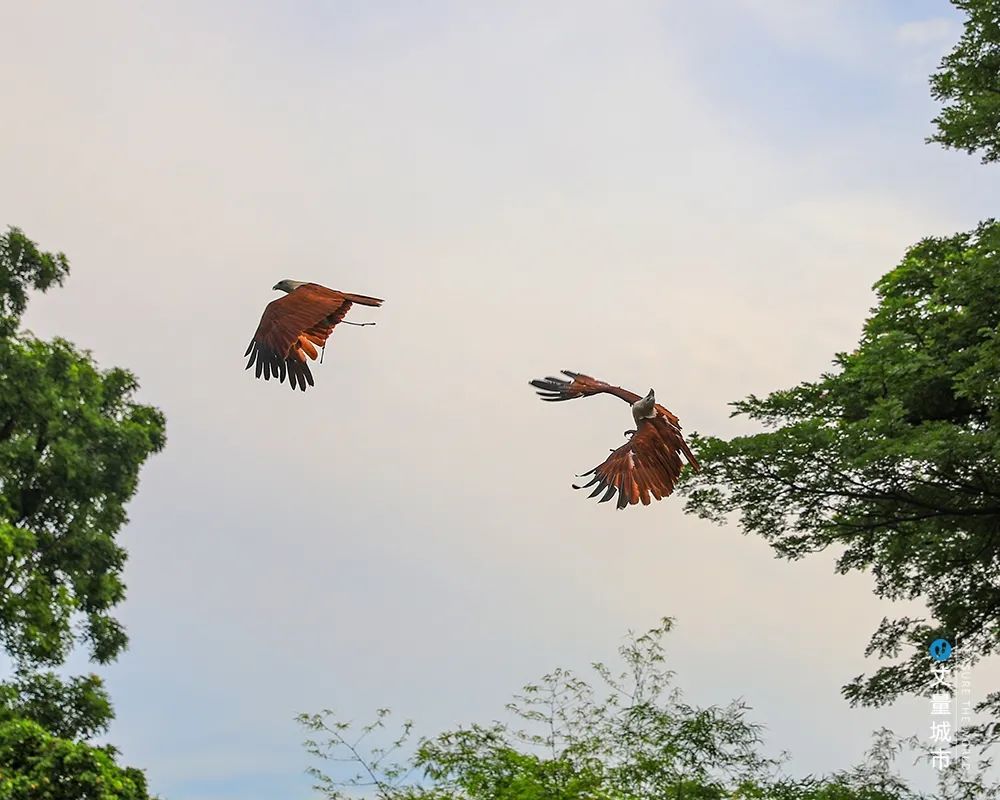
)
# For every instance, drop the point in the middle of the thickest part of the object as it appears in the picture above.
(363, 300)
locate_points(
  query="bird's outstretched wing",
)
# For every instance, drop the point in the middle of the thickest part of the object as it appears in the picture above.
(647, 466)
(293, 326)
(555, 390)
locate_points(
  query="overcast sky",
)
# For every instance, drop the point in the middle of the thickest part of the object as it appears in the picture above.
(693, 196)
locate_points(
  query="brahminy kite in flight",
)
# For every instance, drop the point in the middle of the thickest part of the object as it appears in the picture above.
(649, 463)
(293, 326)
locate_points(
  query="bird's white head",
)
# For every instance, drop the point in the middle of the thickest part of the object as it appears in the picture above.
(643, 409)
(288, 285)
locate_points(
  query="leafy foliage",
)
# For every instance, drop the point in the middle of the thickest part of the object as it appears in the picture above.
(22, 267)
(77, 709)
(968, 81)
(630, 736)
(36, 765)
(72, 441)
(894, 458)
(626, 736)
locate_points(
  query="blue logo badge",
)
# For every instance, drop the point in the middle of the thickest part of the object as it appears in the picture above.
(940, 650)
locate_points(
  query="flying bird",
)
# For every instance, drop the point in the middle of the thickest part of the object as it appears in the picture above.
(649, 464)
(293, 326)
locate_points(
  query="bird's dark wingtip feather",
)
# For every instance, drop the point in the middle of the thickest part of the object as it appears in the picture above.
(553, 389)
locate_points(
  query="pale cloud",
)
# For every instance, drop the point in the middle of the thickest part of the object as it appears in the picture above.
(923, 43)
(929, 32)
(869, 38)
(825, 27)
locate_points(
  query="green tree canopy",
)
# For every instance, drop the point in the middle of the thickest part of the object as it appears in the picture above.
(24, 267)
(37, 765)
(72, 441)
(77, 708)
(893, 458)
(968, 82)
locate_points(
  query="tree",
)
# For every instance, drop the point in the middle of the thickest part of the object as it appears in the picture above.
(629, 736)
(72, 441)
(75, 709)
(968, 81)
(893, 459)
(37, 765)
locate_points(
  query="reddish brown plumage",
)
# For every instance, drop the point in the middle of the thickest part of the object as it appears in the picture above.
(292, 327)
(648, 466)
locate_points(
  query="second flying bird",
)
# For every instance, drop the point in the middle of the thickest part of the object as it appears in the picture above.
(649, 464)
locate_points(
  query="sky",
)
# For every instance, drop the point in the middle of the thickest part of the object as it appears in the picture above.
(693, 196)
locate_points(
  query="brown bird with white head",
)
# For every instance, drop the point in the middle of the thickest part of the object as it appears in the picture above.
(293, 326)
(649, 464)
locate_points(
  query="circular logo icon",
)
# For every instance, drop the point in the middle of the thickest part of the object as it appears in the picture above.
(940, 650)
